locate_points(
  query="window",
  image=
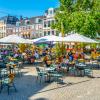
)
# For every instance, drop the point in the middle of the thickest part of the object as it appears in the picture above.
(44, 24)
(48, 32)
(52, 32)
(17, 24)
(48, 23)
(50, 12)
(29, 27)
(23, 28)
(28, 22)
(40, 20)
(44, 33)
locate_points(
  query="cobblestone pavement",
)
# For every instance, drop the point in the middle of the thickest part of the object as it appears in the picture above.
(75, 88)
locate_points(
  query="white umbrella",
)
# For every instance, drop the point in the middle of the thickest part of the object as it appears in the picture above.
(50, 38)
(5, 44)
(78, 38)
(14, 39)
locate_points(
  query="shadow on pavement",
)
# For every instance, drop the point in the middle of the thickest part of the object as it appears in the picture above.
(66, 84)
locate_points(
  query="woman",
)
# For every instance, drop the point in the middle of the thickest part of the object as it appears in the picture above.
(47, 61)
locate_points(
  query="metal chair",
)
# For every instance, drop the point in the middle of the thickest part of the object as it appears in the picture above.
(17, 69)
(41, 74)
(7, 82)
(57, 76)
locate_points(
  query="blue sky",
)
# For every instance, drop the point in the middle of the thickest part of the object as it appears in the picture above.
(26, 7)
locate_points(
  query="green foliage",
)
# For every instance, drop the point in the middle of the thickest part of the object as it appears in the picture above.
(82, 16)
(60, 49)
(93, 46)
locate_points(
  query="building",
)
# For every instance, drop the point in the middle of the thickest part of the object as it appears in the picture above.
(38, 26)
(2, 29)
(7, 24)
(48, 20)
(29, 27)
(33, 27)
(37, 23)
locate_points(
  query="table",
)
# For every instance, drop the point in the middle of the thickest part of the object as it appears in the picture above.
(50, 69)
(38, 62)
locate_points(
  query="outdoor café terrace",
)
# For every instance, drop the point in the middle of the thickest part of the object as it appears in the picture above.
(29, 72)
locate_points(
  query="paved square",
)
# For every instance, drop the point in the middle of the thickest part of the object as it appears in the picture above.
(75, 88)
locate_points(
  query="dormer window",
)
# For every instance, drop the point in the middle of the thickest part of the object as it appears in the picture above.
(17, 23)
(51, 12)
(27, 22)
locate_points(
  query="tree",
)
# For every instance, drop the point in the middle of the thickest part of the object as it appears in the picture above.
(82, 16)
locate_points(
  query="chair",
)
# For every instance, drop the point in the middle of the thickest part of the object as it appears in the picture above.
(64, 67)
(71, 69)
(10, 67)
(57, 76)
(7, 82)
(4, 72)
(88, 71)
(17, 69)
(41, 74)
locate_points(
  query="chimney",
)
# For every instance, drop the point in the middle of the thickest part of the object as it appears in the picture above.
(21, 18)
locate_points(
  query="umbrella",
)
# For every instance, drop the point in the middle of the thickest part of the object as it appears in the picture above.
(50, 38)
(98, 40)
(14, 39)
(78, 38)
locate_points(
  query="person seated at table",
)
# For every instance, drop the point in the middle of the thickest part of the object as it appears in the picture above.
(71, 57)
(10, 58)
(29, 58)
(44, 53)
(75, 57)
(93, 54)
(16, 55)
(36, 54)
(59, 69)
(61, 59)
(40, 53)
(1, 52)
(32, 58)
(57, 61)
(67, 60)
(23, 56)
(47, 61)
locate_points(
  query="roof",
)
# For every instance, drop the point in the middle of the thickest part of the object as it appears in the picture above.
(9, 19)
(31, 20)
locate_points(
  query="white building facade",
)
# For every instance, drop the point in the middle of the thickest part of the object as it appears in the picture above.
(33, 27)
(30, 28)
(7, 23)
(48, 21)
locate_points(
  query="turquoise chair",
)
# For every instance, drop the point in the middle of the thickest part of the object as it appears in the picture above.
(88, 72)
(41, 74)
(57, 76)
(7, 82)
(72, 71)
